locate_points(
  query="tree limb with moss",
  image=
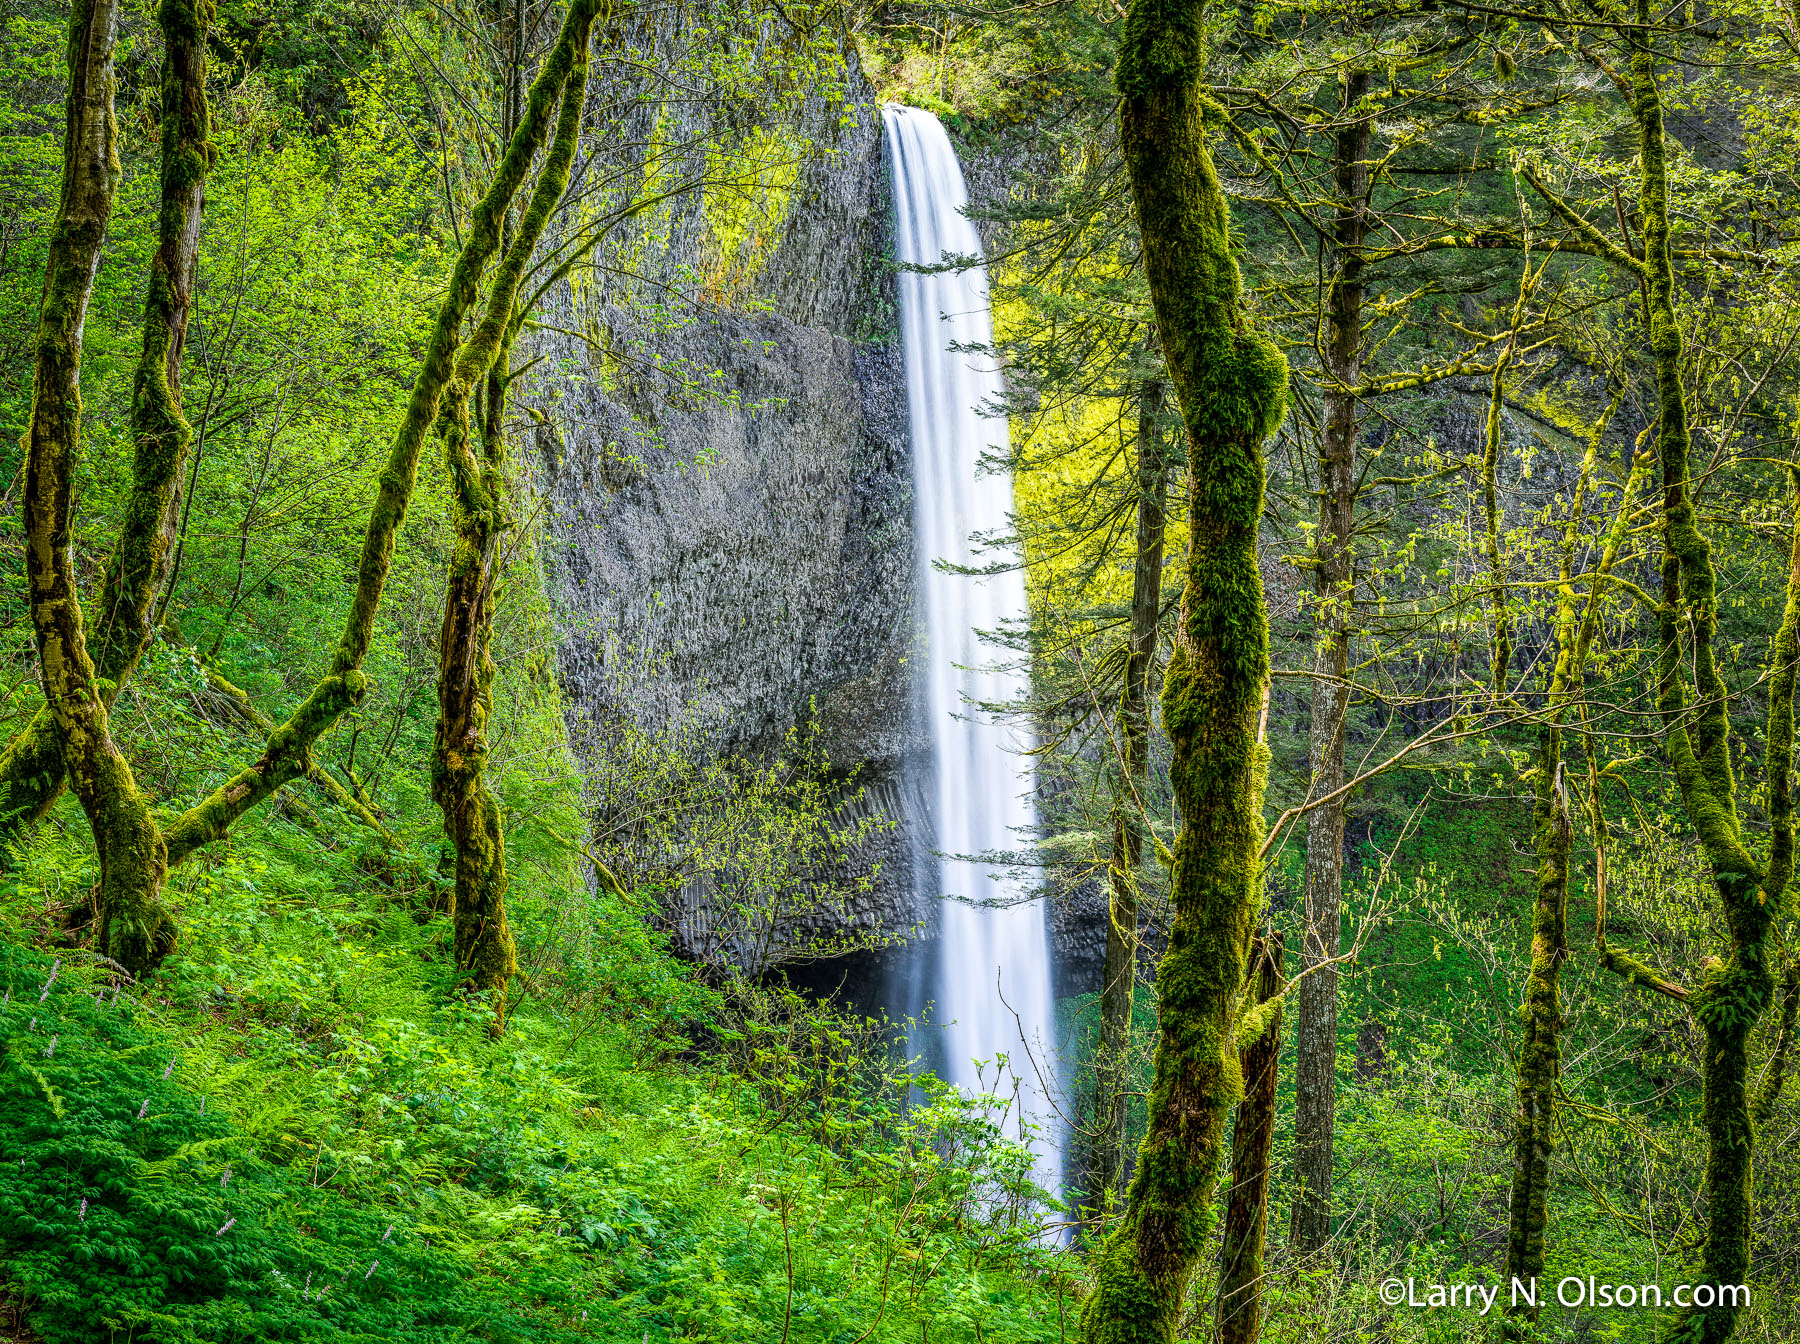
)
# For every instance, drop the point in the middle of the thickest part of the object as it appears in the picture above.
(33, 768)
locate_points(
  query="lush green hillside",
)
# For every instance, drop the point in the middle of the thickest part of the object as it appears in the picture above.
(298, 1132)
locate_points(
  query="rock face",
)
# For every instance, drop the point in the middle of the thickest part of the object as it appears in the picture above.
(728, 525)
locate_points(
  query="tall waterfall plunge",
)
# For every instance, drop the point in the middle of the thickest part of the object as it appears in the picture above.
(991, 974)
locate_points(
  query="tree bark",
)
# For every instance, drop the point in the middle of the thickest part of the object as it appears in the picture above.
(132, 862)
(1239, 1312)
(33, 768)
(160, 431)
(1119, 985)
(1230, 384)
(1315, 1041)
(482, 939)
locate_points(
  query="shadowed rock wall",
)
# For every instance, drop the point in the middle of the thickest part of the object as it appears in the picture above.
(728, 527)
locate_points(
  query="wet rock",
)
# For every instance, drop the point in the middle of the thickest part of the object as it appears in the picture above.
(727, 487)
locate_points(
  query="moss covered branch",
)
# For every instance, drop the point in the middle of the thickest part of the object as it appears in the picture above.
(258, 722)
(286, 754)
(1775, 1078)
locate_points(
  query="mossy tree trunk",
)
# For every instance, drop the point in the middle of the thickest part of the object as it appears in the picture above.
(287, 754)
(1315, 1042)
(132, 861)
(483, 942)
(1239, 1314)
(1230, 384)
(1733, 993)
(1119, 983)
(482, 939)
(33, 768)
(1540, 1050)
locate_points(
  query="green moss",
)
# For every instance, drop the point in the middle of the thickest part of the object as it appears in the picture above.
(1776, 1077)
(1230, 384)
(32, 774)
(1164, 47)
(1539, 1072)
(746, 203)
(286, 756)
(1239, 1313)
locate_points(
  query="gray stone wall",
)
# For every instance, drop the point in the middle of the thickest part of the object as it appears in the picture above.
(742, 553)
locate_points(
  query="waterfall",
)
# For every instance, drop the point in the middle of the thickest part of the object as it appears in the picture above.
(990, 977)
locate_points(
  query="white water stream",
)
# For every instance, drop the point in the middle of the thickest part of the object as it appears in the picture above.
(991, 977)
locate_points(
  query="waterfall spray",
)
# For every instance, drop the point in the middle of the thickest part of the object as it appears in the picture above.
(990, 976)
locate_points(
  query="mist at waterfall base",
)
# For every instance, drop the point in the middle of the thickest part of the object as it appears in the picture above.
(988, 976)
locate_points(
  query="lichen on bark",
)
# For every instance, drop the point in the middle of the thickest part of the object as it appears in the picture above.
(33, 767)
(1230, 384)
(286, 755)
